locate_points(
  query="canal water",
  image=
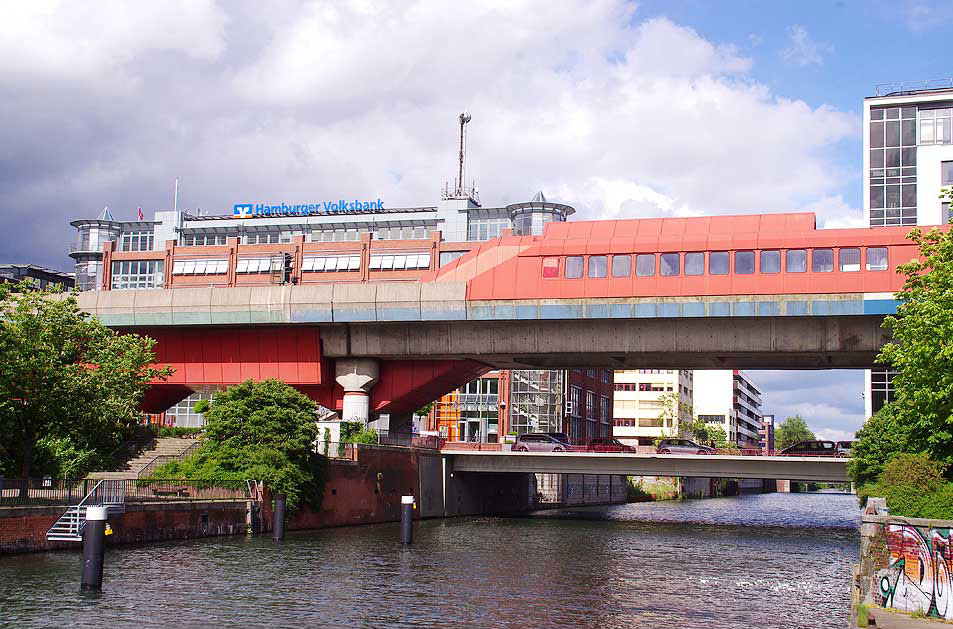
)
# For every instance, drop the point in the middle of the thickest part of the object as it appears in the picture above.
(772, 560)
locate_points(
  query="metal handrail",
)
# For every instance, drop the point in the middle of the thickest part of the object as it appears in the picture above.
(162, 459)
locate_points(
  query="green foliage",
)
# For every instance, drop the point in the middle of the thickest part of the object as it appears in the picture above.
(425, 409)
(792, 430)
(263, 431)
(881, 437)
(862, 620)
(368, 437)
(175, 431)
(348, 430)
(634, 492)
(913, 486)
(69, 386)
(327, 441)
(921, 350)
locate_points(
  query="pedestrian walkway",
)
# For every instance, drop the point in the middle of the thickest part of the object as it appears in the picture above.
(888, 619)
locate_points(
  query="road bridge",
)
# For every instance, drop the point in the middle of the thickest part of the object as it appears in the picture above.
(813, 469)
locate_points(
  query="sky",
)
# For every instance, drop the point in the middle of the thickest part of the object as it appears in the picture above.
(622, 110)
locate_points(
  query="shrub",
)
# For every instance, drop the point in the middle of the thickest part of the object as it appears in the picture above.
(913, 470)
(634, 492)
(913, 486)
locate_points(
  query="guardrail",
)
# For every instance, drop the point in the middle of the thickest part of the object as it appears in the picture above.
(158, 490)
(16, 492)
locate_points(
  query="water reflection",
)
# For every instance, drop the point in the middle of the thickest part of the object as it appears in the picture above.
(779, 560)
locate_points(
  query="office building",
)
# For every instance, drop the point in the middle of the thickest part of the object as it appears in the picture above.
(766, 434)
(36, 277)
(730, 399)
(908, 161)
(640, 397)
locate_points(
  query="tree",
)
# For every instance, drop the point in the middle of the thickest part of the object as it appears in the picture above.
(922, 346)
(676, 415)
(70, 387)
(883, 436)
(792, 430)
(264, 431)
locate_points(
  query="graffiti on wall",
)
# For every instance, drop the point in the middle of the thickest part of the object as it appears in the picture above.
(918, 575)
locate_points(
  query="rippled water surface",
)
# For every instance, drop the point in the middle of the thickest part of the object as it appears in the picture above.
(774, 560)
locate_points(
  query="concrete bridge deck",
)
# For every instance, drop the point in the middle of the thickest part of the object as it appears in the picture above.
(818, 469)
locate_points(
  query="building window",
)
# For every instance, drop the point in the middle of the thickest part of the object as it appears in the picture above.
(550, 267)
(621, 266)
(575, 400)
(604, 410)
(398, 262)
(446, 257)
(199, 267)
(536, 401)
(945, 208)
(598, 266)
(201, 240)
(136, 241)
(770, 261)
(330, 264)
(718, 263)
(694, 264)
(876, 258)
(574, 266)
(946, 173)
(645, 265)
(712, 419)
(669, 264)
(795, 261)
(258, 265)
(262, 238)
(590, 404)
(822, 260)
(849, 259)
(935, 126)
(607, 375)
(893, 166)
(135, 274)
(487, 228)
(744, 262)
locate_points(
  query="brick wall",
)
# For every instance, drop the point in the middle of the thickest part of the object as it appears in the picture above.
(23, 529)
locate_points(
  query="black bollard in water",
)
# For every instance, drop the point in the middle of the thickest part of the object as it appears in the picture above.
(94, 548)
(407, 519)
(278, 529)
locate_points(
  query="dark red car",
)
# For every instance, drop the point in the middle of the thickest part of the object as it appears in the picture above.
(608, 444)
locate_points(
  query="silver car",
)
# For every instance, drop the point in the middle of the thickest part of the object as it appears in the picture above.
(539, 442)
(682, 446)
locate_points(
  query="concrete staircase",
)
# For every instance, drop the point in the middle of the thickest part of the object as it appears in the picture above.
(170, 448)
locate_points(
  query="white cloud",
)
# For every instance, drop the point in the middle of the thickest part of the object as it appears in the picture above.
(804, 51)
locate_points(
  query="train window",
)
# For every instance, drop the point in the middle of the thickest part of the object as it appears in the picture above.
(822, 260)
(645, 264)
(574, 266)
(770, 261)
(744, 262)
(550, 267)
(668, 264)
(694, 264)
(795, 260)
(849, 259)
(718, 262)
(598, 266)
(621, 266)
(876, 258)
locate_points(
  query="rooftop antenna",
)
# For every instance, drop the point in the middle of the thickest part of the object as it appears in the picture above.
(175, 196)
(465, 117)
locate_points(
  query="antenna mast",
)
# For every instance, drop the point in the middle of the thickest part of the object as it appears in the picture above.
(465, 117)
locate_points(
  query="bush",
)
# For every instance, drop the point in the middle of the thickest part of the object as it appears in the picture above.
(913, 486)
(368, 437)
(174, 431)
(882, 437)
(634, 492)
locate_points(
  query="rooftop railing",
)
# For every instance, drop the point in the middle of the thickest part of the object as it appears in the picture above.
(901, 87)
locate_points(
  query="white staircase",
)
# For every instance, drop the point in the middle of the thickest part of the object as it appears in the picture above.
(109, 493)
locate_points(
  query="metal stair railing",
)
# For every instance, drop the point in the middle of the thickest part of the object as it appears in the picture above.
(70, 526)
(149, 468)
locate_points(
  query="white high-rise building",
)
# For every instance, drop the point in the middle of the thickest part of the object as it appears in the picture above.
(908, 160)
(638, 404)
(730, 399)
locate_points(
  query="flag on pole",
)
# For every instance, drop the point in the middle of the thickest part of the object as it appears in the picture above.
(140, 213)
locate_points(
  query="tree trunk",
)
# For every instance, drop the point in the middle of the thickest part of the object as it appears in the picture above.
(26, 467)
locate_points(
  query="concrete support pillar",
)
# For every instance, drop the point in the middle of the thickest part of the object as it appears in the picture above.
(357, 376)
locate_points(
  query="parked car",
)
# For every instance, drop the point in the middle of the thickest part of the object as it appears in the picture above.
(682, 446)
(843, 448)
(608, 444)
(817, 447)
(541, 442)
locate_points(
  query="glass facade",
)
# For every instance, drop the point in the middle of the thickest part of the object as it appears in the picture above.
(479, 415)
(485, 228)
(134, 274)
(536, 400)
(881, 388)
(893, 165)
(183, 413)
(136, 241)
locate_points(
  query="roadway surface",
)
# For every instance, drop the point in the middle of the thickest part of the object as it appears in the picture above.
(818, 469)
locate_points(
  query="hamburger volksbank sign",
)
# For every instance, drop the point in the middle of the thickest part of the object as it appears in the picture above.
(343, 206)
